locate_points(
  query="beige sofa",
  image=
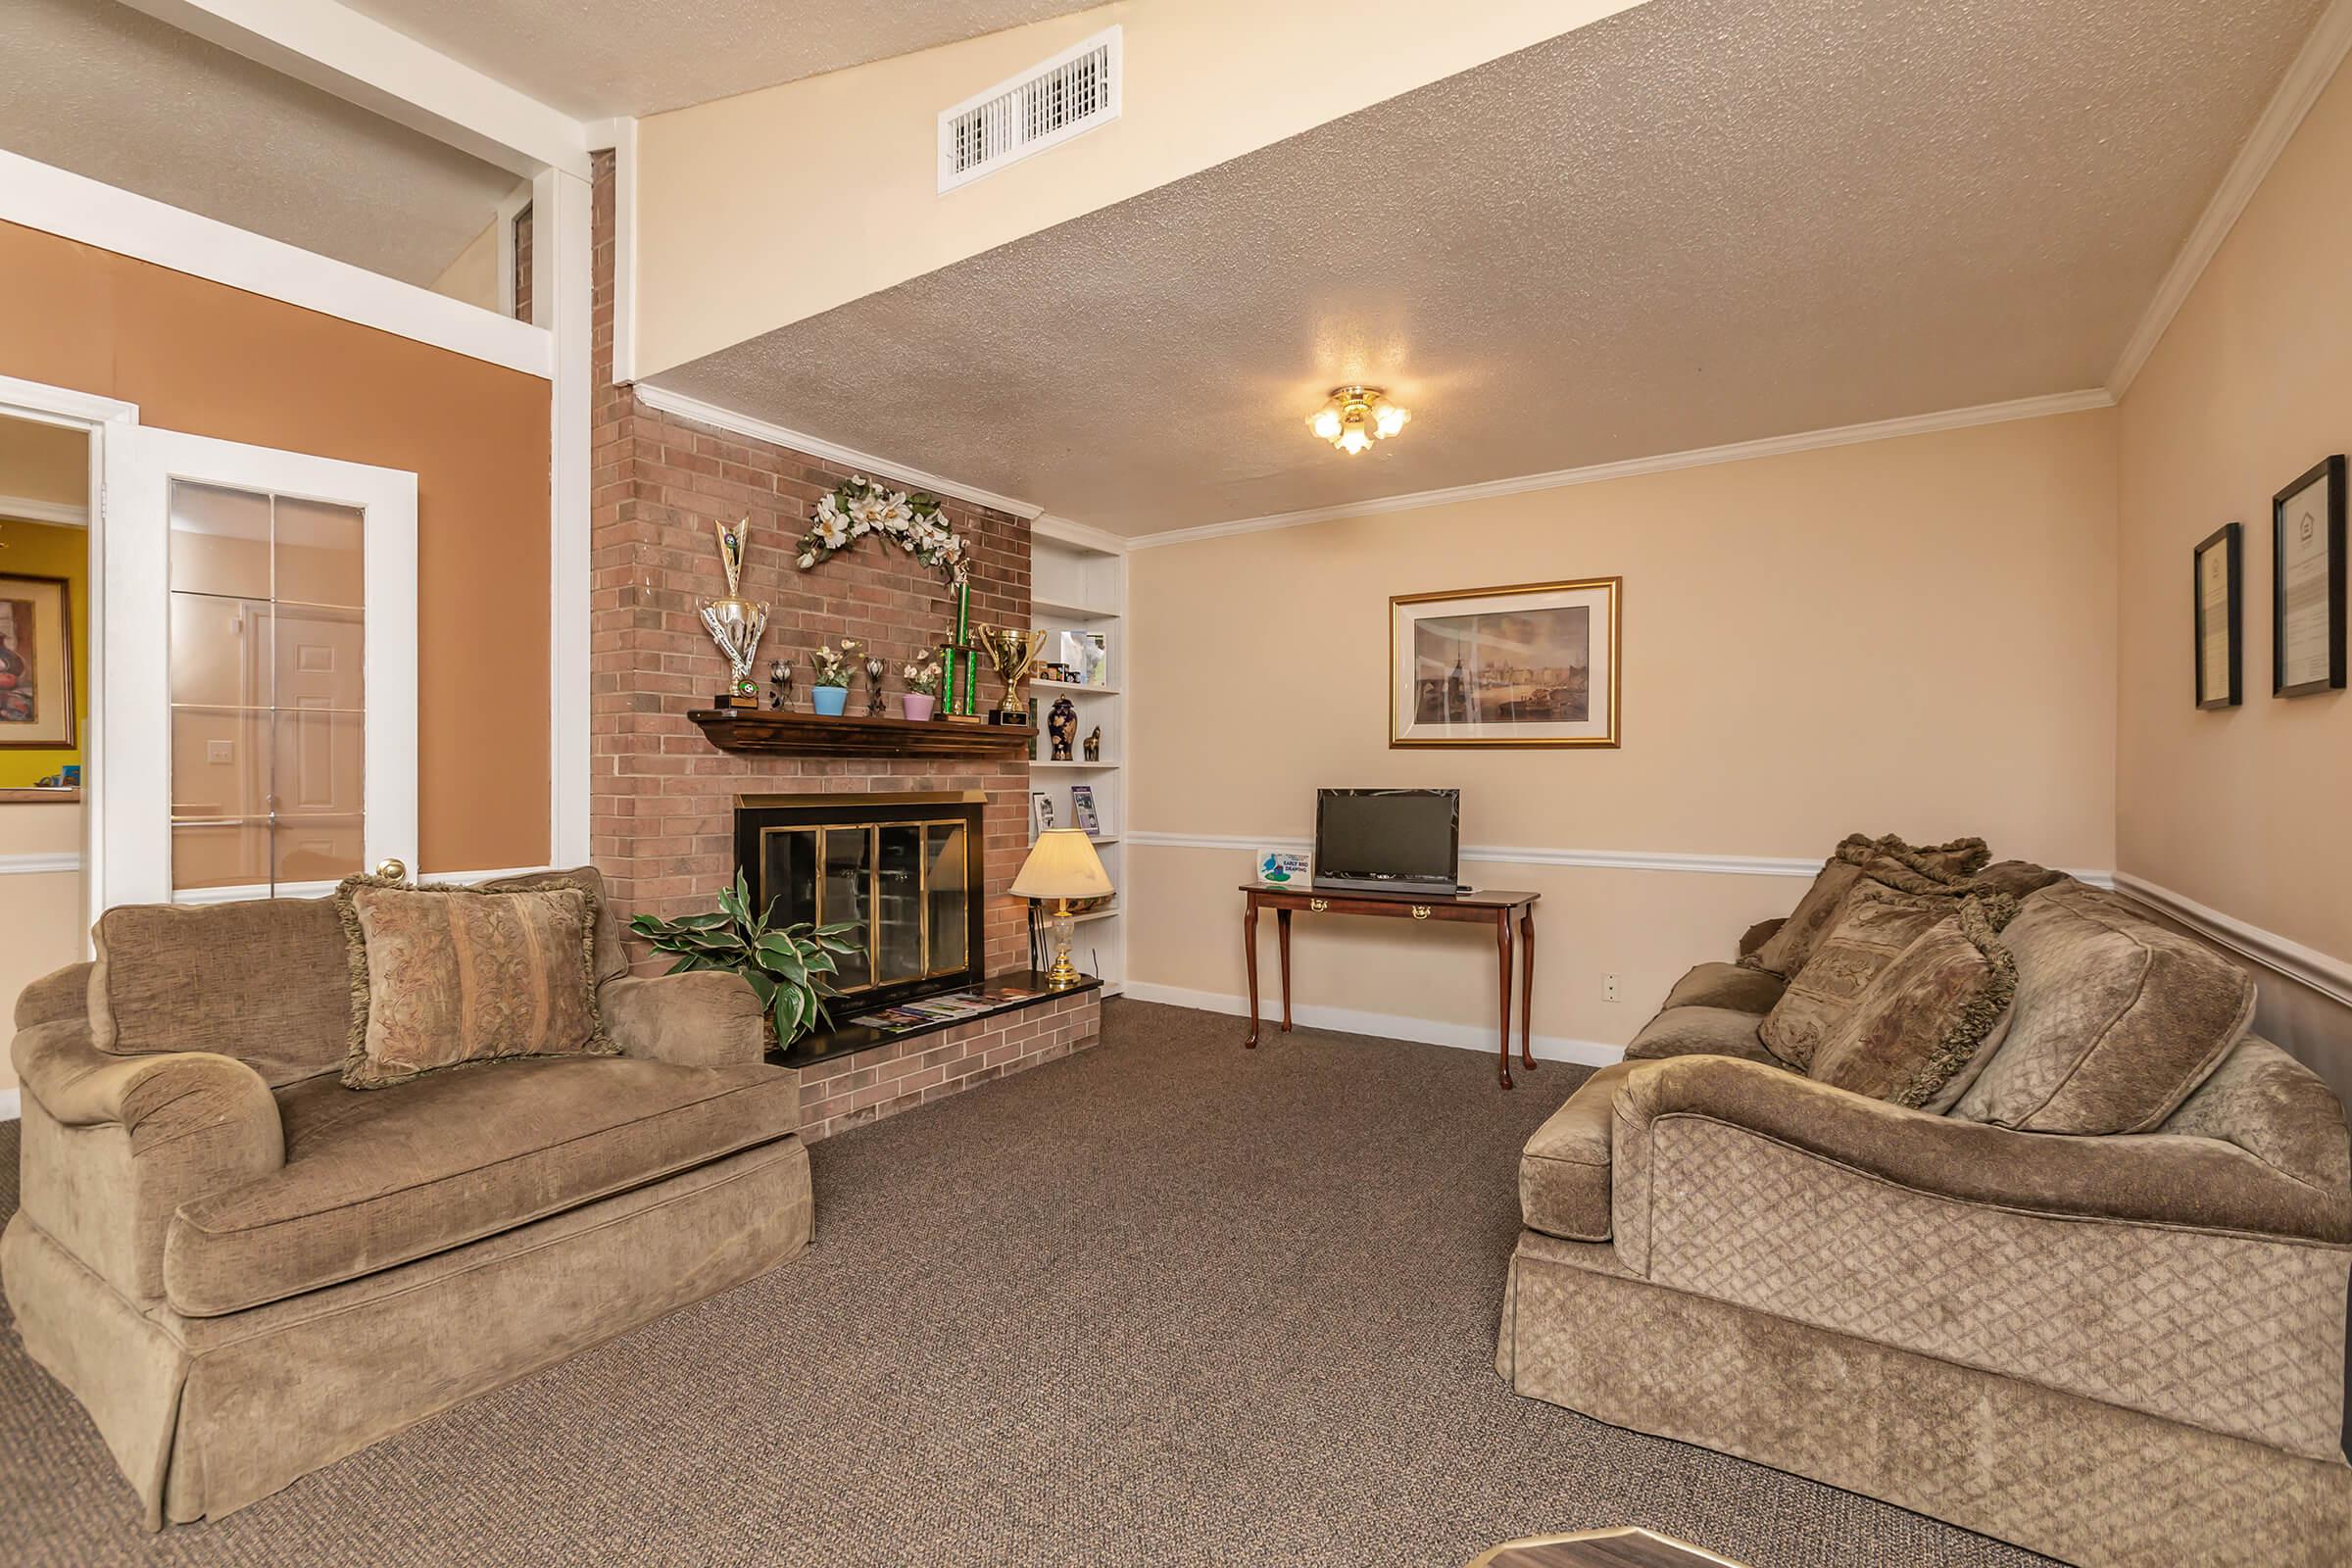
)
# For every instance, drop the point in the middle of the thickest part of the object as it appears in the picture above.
(2126, 1349)
(244, 1270)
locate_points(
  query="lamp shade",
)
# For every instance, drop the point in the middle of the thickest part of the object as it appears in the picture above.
(1062, 864)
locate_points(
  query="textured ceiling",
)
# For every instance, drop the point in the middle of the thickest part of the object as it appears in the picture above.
(105, 92)
(637, 57)
(1699, 222)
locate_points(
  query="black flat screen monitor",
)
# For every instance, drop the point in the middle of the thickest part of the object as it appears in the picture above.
(1389, 840)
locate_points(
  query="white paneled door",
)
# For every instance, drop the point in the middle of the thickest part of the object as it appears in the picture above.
(259, 657)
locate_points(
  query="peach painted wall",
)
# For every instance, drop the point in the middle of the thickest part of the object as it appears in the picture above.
(2244, 811)
(1912, 636)
(200, 356)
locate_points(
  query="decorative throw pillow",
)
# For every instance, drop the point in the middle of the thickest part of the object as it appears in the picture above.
(1937, 869)
(1876, 923)
(2117, 1020)
(1928, 1013)
(447, 976)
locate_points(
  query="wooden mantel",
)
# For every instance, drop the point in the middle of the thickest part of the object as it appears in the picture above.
(816, 735)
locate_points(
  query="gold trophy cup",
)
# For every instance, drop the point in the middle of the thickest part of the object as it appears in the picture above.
(1015, 655)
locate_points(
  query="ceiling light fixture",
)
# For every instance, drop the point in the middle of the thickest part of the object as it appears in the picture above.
(1356, 417)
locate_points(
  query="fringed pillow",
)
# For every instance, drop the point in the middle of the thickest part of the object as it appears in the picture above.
(1938, 870)
(1926, 1022)
(1874, 924)
(447, 977)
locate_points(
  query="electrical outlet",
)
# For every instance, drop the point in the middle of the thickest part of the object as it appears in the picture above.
(216, 750)
(1608, 987)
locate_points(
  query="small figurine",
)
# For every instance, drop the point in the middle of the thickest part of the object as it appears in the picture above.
(1094, 745)
(1064, 726)
(779, 683)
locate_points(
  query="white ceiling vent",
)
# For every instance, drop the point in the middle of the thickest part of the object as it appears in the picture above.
(1042, 107)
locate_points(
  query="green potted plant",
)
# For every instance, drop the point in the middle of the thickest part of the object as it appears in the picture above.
(786, 965)
(831, 673)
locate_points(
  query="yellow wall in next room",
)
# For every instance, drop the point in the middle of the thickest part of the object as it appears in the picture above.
(51, 550)
(1913, 636)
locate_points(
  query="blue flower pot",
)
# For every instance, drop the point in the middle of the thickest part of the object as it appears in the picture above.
(832, 700)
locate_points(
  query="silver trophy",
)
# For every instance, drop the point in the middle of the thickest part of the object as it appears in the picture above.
(734, 622)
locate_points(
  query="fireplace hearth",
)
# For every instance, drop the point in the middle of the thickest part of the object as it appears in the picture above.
(905, 868)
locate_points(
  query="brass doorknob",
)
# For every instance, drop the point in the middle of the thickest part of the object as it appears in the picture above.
(392, 870)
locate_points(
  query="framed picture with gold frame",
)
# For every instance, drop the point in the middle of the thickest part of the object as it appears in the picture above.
(1532, 664)
(37, 663)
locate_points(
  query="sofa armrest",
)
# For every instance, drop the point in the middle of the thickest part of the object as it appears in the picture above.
(114, 1144)
(2153, 1178)
(59, 994)
(2178, 1276)
(1755, 936)
(704, 1018)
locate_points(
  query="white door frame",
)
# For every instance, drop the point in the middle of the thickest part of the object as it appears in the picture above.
(104, 421)
(136, 786)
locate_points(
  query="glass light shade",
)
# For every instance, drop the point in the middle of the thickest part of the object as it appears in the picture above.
(1355, 440)
(1390, 419)
(1062, 864)
(1326, 424)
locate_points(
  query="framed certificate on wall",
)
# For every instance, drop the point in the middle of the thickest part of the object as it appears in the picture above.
(2217, 565)
(2307, 583)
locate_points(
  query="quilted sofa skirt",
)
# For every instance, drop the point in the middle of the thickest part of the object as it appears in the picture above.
(206, 1415)
(2075, 1478)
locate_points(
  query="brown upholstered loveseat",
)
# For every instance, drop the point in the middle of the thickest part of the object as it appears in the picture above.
(2119, 1348)
(244, 1270)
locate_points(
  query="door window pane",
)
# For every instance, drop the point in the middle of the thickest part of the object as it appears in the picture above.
(268, 697)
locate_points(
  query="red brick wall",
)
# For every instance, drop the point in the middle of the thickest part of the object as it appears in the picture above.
(522, 265)
(850, 1091)
(663, 800)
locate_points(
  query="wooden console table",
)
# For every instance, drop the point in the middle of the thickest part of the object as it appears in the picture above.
(1494, 909)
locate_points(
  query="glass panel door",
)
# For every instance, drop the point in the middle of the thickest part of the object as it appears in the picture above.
(268, 688)
(259, 639)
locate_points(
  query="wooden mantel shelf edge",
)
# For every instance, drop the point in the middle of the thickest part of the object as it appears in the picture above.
(856, 735)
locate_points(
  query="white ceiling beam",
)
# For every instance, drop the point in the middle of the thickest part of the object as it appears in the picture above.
(356, 58)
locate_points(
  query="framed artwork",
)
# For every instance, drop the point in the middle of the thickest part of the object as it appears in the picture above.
(2216, 567)
(1040, 813)
(1536, 664)
(2307, 583)
(1082, 809)
(37, 663)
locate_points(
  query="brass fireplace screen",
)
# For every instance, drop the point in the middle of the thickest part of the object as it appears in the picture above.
(904, 868)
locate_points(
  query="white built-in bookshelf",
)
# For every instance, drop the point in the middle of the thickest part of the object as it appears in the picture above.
(1078, 582)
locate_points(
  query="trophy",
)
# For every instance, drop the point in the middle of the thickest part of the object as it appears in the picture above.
(1015, 655)
(734, 622)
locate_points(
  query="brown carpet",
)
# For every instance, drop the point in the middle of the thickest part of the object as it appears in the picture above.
(1165, 1302)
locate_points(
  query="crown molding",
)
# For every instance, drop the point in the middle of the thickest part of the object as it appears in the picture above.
(2322, 972)
(23, 509)
(659, 397)
(2037, 408)
(2313, 69)
(1085, 535)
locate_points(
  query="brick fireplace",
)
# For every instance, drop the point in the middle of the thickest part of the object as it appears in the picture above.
(663, 800)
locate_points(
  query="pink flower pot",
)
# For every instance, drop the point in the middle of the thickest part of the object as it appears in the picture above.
(918, 705)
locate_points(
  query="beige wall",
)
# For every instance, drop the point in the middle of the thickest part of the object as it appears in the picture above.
(40, 912)
(2243, 811)
(1911, 636)
(472, 274)
(760, 210)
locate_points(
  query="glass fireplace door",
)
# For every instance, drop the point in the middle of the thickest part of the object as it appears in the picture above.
(905, 883)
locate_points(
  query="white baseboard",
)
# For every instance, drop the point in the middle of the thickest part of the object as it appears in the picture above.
(10, 1107)
(1390, 1026)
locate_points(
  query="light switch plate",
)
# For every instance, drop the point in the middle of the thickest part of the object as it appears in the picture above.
(217, 751)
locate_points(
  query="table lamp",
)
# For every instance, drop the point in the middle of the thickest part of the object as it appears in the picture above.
(1062, 865)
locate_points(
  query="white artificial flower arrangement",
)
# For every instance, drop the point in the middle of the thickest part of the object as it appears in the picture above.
(924, 679)
(832, 668)
(861, 507)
